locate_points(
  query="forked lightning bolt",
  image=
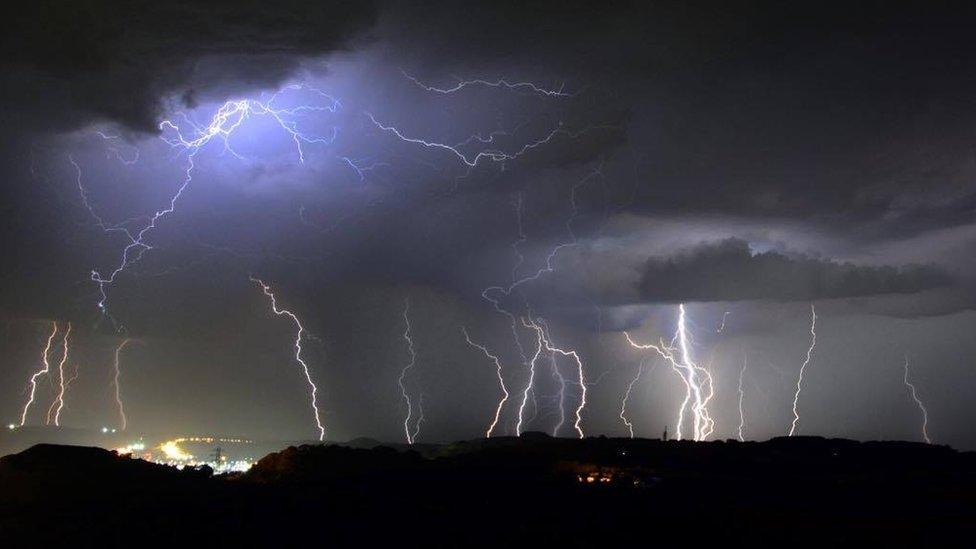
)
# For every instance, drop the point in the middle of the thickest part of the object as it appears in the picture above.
(806, 361)
(623, 403)
(222, 125)
(58, 403)
(500, 83)
(411, 434)
(547, 343)
(531, 381)
(562, 394)
(501, 380)
(123, 422)
(918, 402)
(44, 370)
(699, 388)
(298, 350)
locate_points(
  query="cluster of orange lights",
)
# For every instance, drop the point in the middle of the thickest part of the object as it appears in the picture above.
(594, 478)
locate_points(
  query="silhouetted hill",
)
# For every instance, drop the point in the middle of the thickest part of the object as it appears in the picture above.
(536, 490)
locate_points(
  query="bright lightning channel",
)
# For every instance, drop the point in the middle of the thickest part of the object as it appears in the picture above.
(471, 161)
(547, 343)
(44, 370)
(411, 435)
(699, 388)
(623, 403)
(58, 403)
(531, 381)
(918, 402)
(123, 422)
(501, 380)
(549, 267)
(806, 361)
(227, 119)
(562, 394)
(298, 350)
(500, 83)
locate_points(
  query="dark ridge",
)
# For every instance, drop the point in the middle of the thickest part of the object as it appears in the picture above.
(530, 491)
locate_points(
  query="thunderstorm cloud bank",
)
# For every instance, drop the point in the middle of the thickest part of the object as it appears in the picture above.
(746, 159)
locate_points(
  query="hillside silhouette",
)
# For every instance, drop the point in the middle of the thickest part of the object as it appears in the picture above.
(534, 491)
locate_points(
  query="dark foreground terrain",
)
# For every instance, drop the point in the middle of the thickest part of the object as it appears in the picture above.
(535, 491)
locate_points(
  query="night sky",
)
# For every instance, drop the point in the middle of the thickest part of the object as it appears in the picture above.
(751, 158)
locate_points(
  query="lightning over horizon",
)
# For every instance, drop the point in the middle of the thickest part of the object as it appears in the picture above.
(44, 370)
(501, 380)
(266, 290)
(123, 422)
(410, 434)
(806, 361)
(699, 387)
(918, 402)
(58, 403)
(544, 341)
(623, 402)
(588, 224)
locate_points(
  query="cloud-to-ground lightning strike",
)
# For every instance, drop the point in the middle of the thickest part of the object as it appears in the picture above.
(699, 388)
(742, 416)
(411, 434)
(530, 382)
(581, 379)
(721, 327)
(623, 403)
(45, 369)
(54, 411)
(549, 267)
(298, 350)
(123, 422)
(501, 380)
(227, 119)
(562, 394)
(918, 402)
(806, 361)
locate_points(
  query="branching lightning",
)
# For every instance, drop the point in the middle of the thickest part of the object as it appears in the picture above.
(545, 341)
(227, 119)
(500, 83)
(699, 388)
(531, 381)
(918, 402)
(501, 380)
(411, 435)
(799, 379)
(123, 422)
(298, 350)
(471, 161)
(55, 409)
(44, 370)
(562, 394)
(623, 403)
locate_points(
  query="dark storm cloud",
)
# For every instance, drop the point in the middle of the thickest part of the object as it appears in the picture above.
(69, 63)
(729, 271)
